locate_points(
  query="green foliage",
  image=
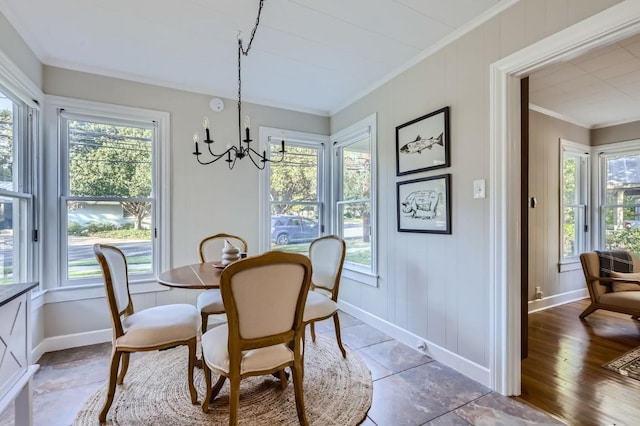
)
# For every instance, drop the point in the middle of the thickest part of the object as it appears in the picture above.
(6, 145)
(111, 161)
(295, 179)
(623, 239)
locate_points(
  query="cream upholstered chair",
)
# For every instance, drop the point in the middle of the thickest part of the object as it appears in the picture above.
(264, 298)
(619, 293)
(209, 302)
(327, 257)
(160, 327)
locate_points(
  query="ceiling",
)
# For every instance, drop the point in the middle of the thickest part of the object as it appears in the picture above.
(598, 89)
(308, 55)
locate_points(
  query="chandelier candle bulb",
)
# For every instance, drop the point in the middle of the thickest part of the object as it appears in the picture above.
(247, 125)
(195, 141)
(205, 124)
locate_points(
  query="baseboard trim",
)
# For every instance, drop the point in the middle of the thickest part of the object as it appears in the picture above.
(57, 343)
(462, 365)
(557, 300)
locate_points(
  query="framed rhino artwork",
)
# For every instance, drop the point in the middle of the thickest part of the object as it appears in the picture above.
(424, 205)
(423, 144)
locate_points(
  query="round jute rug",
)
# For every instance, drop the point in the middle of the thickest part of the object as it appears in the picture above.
(337, 391)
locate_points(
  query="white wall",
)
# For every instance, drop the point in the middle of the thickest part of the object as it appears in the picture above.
(15, 48)
(436, 286)
(544, 220)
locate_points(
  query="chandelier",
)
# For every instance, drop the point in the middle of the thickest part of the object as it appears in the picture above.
(239, 151)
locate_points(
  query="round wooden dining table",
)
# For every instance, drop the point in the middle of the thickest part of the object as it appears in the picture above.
(199, 276)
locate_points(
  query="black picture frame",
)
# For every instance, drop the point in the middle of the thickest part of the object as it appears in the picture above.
(423, 144)
(424, 205)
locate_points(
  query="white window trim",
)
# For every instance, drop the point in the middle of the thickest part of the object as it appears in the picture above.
(20, 86)
(583, 151)
(300, 138)
(161, 173)
(598, 181)
(368, 123)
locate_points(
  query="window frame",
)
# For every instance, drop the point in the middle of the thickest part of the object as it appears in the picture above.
(631, 147)
(160, 193)
(296, 138)
(17, 87)
(582, 153)
(339, 141)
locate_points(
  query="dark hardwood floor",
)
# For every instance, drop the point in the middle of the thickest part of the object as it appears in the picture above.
(563, 374)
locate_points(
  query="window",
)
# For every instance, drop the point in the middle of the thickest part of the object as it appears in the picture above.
(353, 167)
(109, 190)
(295, 188)
(620, 199)
(18, 129)
(574, 179)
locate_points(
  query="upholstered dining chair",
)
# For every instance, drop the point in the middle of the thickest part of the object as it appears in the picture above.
(209, 302)
(159, 327)
(327, 257)
(620, 292)
(264, 299)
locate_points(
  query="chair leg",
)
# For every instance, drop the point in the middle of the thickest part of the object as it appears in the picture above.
(283, 379)
(336, 323)
(192, 362)
(124, 367)
(216, 388)
(234, 399)
(204, 322)
(590, 309)
(207, 392)
(113, 376)
(297, 371)
(313, 331)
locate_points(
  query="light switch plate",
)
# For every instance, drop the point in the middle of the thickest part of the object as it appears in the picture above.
(478, 189)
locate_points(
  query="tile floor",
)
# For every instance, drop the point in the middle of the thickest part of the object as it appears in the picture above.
(409, 388)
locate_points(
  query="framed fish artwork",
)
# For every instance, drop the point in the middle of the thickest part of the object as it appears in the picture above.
(423, 144)
(424, 205)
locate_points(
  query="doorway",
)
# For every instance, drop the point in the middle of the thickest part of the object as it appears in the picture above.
(613, 24)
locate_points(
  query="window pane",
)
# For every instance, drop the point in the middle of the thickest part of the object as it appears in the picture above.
(13, 240)
(126, 225)
(356, 170)
(296, 178)
(355, 229)
(6, 143)
(623, 179)
(107, 160)
(294, 226)
(570, 232)
(569, 176)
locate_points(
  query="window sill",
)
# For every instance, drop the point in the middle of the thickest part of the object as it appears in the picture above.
(569, 265)
(361, 277)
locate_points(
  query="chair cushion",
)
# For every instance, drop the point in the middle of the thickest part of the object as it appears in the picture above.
(625, 286)
(215, 353)
(210, 302)
(623, 299)
(159, 325)
(318, 306)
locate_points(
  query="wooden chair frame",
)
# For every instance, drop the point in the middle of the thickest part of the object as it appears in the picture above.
(334, 294)
(593, 281)
(201, 254)
(118, 330)
(237, 344)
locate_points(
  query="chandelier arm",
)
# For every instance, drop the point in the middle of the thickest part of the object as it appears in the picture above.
(262, 164)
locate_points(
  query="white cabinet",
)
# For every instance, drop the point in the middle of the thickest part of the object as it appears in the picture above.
(16, 369)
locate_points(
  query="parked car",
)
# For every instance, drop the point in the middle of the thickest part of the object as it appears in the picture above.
(286, 229)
